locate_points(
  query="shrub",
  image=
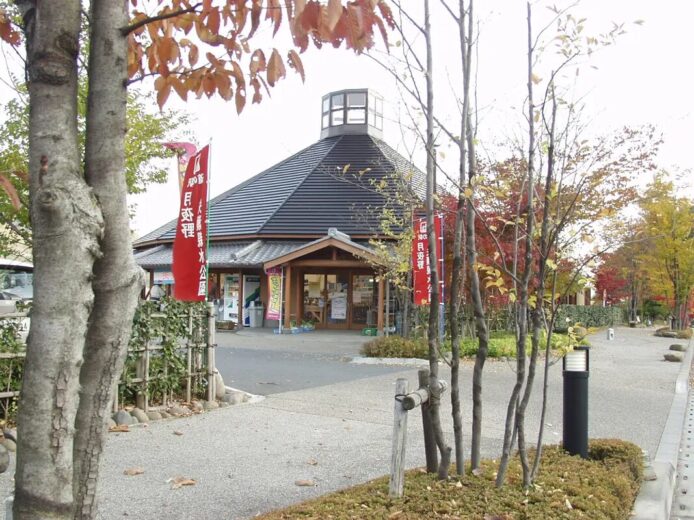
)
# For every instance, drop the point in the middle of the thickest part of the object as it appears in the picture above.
(396, 346)
(588, 315)
(567, 487)
(501, 344)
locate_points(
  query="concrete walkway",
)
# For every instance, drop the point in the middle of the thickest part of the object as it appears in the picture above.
(246, 459)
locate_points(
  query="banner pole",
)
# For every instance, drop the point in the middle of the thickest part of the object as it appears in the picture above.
(207, 220)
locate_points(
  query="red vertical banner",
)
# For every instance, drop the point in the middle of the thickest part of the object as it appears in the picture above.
(190, 244)
(421, 270)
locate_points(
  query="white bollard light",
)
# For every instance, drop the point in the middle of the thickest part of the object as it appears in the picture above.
(610, 334)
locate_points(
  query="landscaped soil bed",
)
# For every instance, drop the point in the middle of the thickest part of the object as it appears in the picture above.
(603, 487)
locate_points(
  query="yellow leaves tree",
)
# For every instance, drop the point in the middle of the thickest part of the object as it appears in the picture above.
(667, 220)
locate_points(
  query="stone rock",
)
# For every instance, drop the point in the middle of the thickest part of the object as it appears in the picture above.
(678, 347)
(178, 411)
(222, 404)
(9, 444)
(219, 387)
(666, 333)
(674, 356)
(140, 415)
(153, 415)
(164, 415)
(210, 405)
(196, 406)
(4, 459)
(234, 397)
(122, 417)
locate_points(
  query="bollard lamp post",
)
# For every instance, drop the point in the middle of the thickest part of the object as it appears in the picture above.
(576, 368)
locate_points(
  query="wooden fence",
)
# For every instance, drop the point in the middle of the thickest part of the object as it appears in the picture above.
(196, 352)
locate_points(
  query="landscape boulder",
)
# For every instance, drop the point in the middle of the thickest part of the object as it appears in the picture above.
(678, 347)
(676, 357)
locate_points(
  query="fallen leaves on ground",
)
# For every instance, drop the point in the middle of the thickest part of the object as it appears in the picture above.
(305, 483)
(131, 472)
(312, 462)
(178, 432)
(119, 428)
(178, 482)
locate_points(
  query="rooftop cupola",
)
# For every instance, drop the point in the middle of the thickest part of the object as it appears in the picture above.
(352, 111)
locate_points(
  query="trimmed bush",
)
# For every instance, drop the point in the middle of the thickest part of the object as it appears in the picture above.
(604, 486)
(587, 315)
(501, 344)
(396, 347)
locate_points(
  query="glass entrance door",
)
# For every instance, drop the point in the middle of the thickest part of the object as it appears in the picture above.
(337, 310)
(314, 299)
(363, 304)
(326, 300)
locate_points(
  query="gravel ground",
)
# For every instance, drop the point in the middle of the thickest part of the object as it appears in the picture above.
(246, 459)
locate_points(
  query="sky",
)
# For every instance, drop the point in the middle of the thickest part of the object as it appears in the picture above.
(643, 78)
(646, 77)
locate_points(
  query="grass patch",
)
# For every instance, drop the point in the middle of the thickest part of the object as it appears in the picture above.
(501, 344)
(603, 487)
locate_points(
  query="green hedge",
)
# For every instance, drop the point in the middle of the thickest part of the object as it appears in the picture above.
(588, 316)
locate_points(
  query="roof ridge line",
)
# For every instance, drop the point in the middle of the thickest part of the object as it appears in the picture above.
(327, 152)
(165, 228)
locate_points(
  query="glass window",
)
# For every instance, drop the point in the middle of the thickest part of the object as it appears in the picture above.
(326, 104)
(379, 106)
(326, 121)
(379, 122)
(338, 117)
(338, 101)
(356, 99)
(356, 116)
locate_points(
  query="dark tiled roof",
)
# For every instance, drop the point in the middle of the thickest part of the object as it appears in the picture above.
(310, 192)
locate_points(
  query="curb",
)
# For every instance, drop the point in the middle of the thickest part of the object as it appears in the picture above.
(654, 500)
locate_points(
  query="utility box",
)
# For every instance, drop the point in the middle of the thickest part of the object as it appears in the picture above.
(255, 316)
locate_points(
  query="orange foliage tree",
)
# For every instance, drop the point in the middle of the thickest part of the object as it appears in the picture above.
(85, 278)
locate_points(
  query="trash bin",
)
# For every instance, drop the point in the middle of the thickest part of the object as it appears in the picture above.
(255, 316)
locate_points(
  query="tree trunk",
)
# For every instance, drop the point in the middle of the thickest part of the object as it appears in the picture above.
(482, 338)
(117, 279)
(516, 421)
(433, 333)
(67, 225)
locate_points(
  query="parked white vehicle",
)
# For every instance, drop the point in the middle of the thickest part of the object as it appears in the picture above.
(16, 287)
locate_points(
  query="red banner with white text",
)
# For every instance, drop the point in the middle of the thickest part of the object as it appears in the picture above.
(421, 270)
(190, 244)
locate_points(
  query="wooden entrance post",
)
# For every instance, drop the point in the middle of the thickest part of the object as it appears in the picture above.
(379, 323)
(287, 296)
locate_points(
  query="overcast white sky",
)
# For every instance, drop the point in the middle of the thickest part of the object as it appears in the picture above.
(646, 77)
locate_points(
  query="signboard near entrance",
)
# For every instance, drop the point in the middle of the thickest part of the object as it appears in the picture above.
(274, 289)
(421, 270)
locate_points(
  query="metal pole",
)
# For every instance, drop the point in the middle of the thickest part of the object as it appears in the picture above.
(575, 430)
(211, 369)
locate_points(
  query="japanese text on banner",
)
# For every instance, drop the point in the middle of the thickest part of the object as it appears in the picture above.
(190, 244)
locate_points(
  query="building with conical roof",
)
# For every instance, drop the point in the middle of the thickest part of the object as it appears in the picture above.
(310, 217)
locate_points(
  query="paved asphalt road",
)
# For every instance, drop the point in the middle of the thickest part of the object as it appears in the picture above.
(263, 363)
(266, 372)
(246, 459)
